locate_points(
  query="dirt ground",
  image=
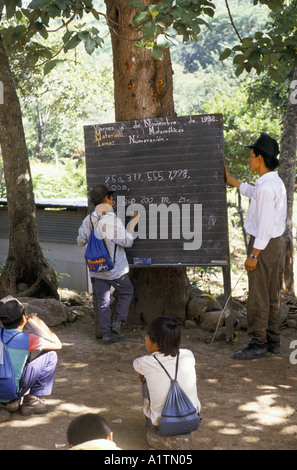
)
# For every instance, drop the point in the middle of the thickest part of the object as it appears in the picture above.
(246, 405)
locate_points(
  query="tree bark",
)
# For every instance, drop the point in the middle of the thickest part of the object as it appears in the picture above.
(26, 271)
(287, 171)
(143, 89)
(143, 86)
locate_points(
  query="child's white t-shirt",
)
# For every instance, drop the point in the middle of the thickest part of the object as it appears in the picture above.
(158, 382)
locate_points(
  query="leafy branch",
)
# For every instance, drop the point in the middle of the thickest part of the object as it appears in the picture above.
(159, 24)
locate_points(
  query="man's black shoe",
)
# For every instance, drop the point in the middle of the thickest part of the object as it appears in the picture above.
(110, 338)
(274, 348)
(252, 351)
(116, 326)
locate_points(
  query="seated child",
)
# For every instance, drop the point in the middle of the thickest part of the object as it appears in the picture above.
(90, 432)
(163, 341)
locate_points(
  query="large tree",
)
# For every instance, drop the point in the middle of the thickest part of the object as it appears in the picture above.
(26, 271)
(143, 89)
(288, 147)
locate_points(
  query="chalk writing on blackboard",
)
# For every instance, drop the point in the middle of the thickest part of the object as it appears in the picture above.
(115, 181)
(172, 171)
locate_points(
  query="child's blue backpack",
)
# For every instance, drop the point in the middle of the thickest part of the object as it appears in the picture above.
(96, 254)
(179, 415)
(7, 380)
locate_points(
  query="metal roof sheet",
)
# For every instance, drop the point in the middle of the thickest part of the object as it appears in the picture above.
(56, 202)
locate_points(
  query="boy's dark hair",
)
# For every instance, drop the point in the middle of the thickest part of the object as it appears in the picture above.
(271, 162)
(87, 427)
(100, 199)
(166, 333)
(98, 194)
(11, 325)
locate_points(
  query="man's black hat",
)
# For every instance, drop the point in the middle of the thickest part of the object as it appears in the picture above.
(11, 309)
(99, 192)
(267, 144)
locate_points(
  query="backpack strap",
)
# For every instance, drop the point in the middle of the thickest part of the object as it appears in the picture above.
(115, 245)
(176, 366)
(2, 332)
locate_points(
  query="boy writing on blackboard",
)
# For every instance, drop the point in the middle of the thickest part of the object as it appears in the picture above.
(110, 228)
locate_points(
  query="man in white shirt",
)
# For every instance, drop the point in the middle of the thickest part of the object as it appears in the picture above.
(265, 222)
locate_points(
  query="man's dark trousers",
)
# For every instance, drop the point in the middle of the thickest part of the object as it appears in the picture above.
(263, 306)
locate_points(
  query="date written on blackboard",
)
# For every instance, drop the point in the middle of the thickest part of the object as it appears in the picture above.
(153, 176)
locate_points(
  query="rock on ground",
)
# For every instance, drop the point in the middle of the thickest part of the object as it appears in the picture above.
(51, 311)
(179, 442)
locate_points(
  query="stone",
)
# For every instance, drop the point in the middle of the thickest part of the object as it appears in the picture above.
(70, 297)
(51, 311)
(195, 292)
(209, 320)
(220, 335)
(4, 415)
(291, 323)
(190, 324)
(214, 304)
(178, 442)
(284, 311)
(240, 319)
(196, 307)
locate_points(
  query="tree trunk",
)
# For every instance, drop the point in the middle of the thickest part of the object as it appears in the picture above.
(42, 120)
(143, 88)
(287, 171)
(26, 272)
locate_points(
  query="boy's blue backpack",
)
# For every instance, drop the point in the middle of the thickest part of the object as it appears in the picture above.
(96, 254)
(7, 380)
(179, 415)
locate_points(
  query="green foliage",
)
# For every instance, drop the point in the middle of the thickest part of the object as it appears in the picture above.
(210, 45)
(201, 276)
(242, 124)
(207, 92)
(275, 50)
(65, 179)
(57, 105)
(161, 22)
(31, 23)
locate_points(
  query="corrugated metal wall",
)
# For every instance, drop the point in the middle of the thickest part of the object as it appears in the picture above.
(60, 226)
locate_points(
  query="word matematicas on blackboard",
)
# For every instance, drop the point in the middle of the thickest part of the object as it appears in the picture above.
(170, 170)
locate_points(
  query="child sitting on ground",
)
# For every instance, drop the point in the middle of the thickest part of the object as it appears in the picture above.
(163, 341)
(90, 432)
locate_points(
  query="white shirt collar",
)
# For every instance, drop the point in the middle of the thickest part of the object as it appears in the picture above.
(266, 176)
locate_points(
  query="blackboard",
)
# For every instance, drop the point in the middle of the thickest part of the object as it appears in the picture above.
(173, 170)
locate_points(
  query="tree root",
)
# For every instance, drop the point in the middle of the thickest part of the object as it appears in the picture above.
(44, 286)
